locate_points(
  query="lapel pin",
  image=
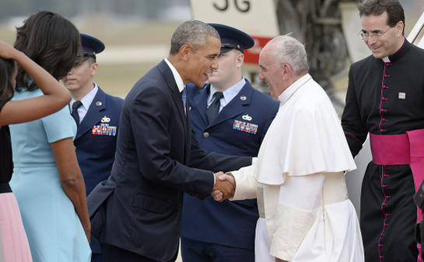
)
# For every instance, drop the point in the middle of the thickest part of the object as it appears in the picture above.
(402, 95)
(99, 103)
(243, 98)
(247, 117)
(105, 119)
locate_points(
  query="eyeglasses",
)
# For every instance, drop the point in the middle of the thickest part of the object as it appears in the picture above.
(374, 34)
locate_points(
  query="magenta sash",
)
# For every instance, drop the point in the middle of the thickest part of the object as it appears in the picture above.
(407, 149)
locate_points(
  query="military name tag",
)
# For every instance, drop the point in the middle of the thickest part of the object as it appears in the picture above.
(245, 127)
(104, 130)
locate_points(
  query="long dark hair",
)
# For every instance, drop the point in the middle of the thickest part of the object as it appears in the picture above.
(51, 41)
(7, 68)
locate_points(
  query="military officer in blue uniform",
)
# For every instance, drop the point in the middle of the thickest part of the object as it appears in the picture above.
(228, 116)
(97, 117)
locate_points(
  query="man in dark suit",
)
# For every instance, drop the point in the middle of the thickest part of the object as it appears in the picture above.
(136, 213)
(225, 231)
(97, 116)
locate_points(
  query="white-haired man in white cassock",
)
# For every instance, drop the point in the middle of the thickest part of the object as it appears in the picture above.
(305, 213)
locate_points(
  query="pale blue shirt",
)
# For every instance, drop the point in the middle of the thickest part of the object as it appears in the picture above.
(86, 102)
(228, 94)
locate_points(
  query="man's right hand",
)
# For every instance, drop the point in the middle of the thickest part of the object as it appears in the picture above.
(224, 187)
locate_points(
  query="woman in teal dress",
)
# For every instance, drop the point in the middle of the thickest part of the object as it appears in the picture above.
(14, 245)
(47, 180)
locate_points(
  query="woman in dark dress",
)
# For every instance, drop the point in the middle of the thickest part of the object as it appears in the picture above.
(13, 241)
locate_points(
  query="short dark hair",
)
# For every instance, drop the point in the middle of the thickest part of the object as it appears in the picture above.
(194, 33)
(7, 67)
(51, 41)
(81, 59)
(393, 8)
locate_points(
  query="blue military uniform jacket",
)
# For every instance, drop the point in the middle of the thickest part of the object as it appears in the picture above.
(95, 141)
(238, 130)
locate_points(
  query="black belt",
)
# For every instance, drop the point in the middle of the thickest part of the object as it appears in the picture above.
(5, 188)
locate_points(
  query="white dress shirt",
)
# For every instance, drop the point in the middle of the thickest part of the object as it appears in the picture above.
(228, 94)
(86, 102)
(177, 76)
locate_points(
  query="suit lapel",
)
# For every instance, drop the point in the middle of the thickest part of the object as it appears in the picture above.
(175, 92)
(235, 107)
(94, 113)
(188, 133)
(177, 99)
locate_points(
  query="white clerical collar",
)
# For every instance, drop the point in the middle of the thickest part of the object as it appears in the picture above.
(230, 93)
(177, 76)
(88, 98)
(283, 97)
(386, 59)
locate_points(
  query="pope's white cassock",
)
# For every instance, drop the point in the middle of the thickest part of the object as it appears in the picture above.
(305, 213)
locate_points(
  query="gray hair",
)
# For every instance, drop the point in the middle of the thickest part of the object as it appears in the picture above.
(194, 33)
(289, 50)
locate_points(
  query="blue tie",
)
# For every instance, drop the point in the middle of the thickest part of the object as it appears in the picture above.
(184, 98)
(74, 113)
(213, 109)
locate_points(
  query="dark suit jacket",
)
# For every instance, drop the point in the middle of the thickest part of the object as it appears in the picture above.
(230, 223)
(96, 151)
(140, 204)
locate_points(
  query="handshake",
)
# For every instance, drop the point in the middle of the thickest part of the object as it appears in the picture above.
(225, 186)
